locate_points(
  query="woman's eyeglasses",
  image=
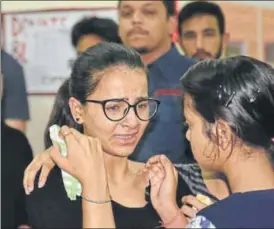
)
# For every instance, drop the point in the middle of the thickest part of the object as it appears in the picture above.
(117, 109)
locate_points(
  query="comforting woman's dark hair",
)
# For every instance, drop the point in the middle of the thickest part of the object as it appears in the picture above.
(85, 77)
(238, 90)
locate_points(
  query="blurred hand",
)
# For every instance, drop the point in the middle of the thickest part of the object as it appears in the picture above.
(23, 226)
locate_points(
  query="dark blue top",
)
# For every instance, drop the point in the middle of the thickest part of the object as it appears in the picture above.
(242, 210)
(165, 133)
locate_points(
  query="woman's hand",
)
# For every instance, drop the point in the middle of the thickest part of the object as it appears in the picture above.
(85, 161)
(163, 180)
(42, 160)
(191, 206)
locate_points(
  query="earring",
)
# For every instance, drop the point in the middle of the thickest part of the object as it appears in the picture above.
(77, 119)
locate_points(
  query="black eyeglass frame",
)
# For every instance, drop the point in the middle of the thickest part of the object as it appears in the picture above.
(104, 102)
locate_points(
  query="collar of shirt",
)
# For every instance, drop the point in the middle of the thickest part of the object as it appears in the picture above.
(167, 56)
(168, 62)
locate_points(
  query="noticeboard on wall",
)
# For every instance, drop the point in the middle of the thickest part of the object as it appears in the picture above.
(40, 41)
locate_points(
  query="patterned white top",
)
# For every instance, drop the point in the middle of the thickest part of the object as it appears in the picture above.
(200, 222)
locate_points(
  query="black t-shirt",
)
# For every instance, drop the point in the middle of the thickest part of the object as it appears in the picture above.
(16, 155)
(49, 207)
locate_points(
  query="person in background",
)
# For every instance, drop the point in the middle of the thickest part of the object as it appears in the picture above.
(92, 30)
(147, 26)
(15, 108)
(202, 33)
(16, 154)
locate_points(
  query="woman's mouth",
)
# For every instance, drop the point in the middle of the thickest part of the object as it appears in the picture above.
(126, 139)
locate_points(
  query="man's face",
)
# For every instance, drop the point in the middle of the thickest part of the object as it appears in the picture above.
(144, 25)
(201, 37)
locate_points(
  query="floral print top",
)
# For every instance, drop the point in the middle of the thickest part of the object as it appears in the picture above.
(200, 222)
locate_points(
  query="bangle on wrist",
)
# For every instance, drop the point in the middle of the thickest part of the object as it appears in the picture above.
(86, 198)
(96, 201)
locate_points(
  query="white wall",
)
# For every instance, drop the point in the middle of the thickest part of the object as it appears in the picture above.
(40, 106)
(35, 5)
(265, 4)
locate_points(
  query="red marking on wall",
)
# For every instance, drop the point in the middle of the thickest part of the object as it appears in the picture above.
(169, 91)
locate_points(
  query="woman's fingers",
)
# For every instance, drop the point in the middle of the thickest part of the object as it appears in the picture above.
(156, 174)
(170, 171)
(71, 141)
(78, 136)
(46, 168)
(156, 177)
(33, 168)
(67, 135)
(194, 202)
(153, 160)
(188, 211)
(60, 160)
(30, 174)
